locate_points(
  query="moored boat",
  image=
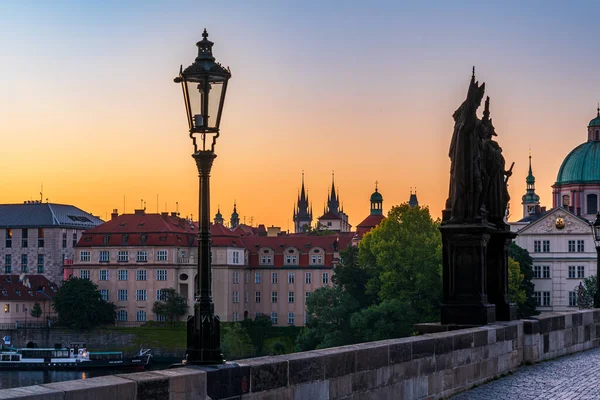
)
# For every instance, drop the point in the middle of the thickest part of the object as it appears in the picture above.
(74, 357)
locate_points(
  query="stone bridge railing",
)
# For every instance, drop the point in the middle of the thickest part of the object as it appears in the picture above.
(427, 366)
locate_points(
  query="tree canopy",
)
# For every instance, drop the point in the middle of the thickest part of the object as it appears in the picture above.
(390, 282)
(520, 255)
(172, 305)
(79, 305)
(36, 310)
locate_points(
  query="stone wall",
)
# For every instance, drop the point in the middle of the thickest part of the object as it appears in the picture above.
(430, 366)
(95, 339)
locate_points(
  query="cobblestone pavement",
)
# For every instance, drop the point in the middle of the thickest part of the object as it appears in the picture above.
(570, 377)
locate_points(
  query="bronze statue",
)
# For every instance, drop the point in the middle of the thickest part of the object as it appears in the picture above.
(478, 178)
(465, 154)
(495, 195)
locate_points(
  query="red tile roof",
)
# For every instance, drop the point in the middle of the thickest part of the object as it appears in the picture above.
(330, 215)
(30, 288)
(302, 242)
(367, 224)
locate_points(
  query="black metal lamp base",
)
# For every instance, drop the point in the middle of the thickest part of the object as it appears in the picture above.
(204, 344)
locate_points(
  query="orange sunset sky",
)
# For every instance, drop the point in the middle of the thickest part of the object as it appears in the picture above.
(88, 107)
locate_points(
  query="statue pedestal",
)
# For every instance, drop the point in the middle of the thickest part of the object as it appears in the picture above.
(497, 274)
(465, 249)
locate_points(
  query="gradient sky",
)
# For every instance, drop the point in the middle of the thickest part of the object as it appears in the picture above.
(88, 106)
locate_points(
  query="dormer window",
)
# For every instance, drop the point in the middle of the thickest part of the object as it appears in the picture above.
(143, 239)
(106, 239)
(18, 292)
(4, 293)
(124, 239)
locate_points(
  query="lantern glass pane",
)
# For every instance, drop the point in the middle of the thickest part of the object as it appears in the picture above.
(214, 100)
(196, 98)
(597, 233)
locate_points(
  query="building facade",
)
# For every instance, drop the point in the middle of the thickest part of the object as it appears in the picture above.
(560, 239)
(133, 257)
(39, 238)
(20, 293)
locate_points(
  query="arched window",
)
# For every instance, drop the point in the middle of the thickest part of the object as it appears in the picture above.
(592, 202)
(122, 315)
(565, 200)
(597, 134)
(140, 316)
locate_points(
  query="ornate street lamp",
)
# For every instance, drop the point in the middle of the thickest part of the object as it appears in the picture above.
(204, 85)
(596, 235)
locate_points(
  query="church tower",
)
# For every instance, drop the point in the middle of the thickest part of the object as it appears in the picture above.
(235, 218)
(302, 212)
(376, 202)
(530, 199)
(333, 203)
(413, 201)
(219, 217)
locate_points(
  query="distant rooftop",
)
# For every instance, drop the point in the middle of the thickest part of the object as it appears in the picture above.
(45, 215)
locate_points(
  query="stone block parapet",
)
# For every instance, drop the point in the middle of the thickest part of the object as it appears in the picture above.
(429, 366)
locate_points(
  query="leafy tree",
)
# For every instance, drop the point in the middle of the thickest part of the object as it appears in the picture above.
(328, 323)
(352, 278)
(526, 308)
(36, 311)
(258, 330)
(236, 343)
(172, 305)
(586, 292)
(79, 305)
(389, 319)
(516, 291)
(403, 256)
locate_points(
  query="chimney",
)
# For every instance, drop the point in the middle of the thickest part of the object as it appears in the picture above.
(173, 213)
(114, 214)
(139, 212)
(164, 214)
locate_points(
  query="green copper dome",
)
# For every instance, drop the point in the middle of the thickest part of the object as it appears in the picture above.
(595, 122)
(582, 165)
(376, 197)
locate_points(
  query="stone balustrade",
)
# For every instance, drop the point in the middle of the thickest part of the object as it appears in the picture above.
(429, 366)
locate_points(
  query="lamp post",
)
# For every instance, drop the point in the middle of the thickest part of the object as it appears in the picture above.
(204, 84)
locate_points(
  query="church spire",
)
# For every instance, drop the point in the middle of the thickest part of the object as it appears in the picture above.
(333, 203)
(530, 199)
(302, 215)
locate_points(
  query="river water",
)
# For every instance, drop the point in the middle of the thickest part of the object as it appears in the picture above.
(13, 379)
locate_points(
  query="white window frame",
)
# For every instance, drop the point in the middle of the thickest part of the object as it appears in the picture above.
(291, 278)
(84, 274)
(291, 297)
(103, 275)
(308, 278)
(236, 297)
(104, 256)
(122, 275)
(257, 277)
(84, 256)
(257, 297)
(141, 295)
(273, 297)
(291, 318)
(141, 275)
(161, 255)
(123, 256)
(274, 278)
(142, 256)
(274, 318)
(104, 294)
(325, 278)
(122, 295)
(161, 274)
(140, 316)
(235, 278)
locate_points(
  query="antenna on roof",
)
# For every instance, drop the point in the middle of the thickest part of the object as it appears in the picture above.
(42, 193)
(177, 207)
(141, 203)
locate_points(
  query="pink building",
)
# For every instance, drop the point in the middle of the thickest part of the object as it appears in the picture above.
(133, 257)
